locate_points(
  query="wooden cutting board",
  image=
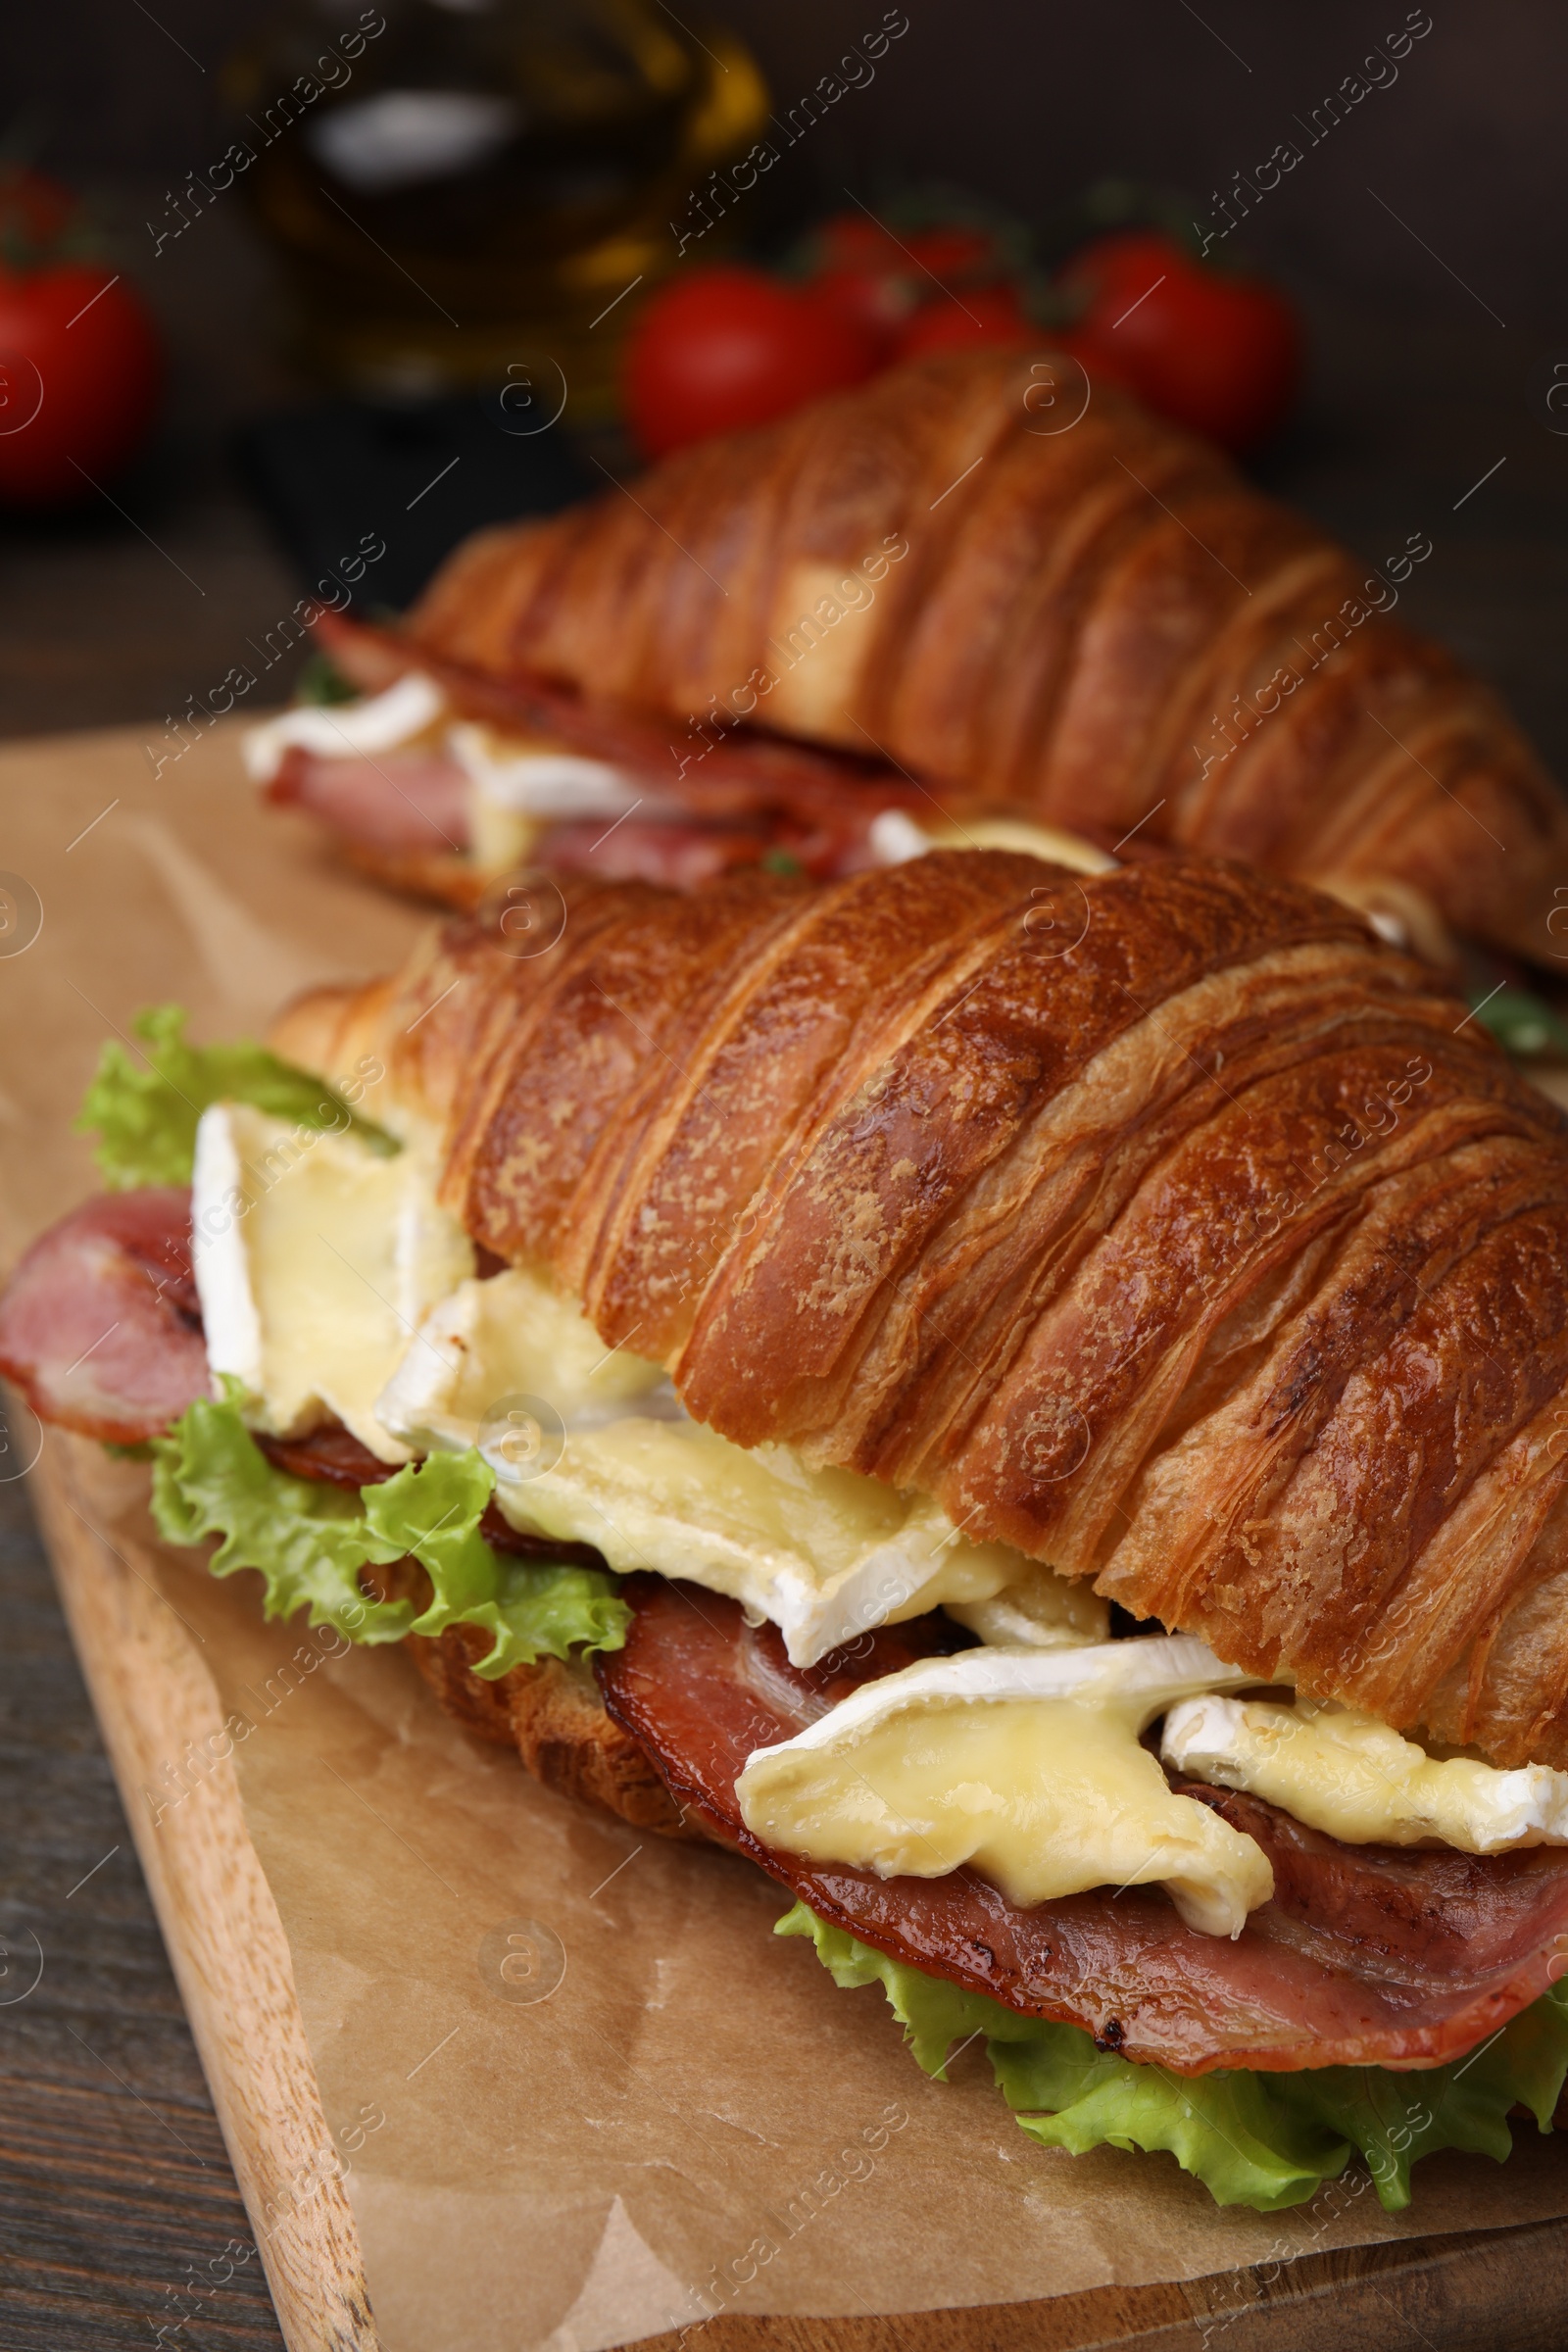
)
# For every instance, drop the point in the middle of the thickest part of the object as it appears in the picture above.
(1491, 2291)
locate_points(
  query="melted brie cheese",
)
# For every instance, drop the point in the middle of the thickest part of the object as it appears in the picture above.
(314, 1260)
(514, 783)
(824, 1554)
(510, 1334)
(896, 838)
(1023, 1764)
(344, 730)
(332, 1283)
(1042, 1611)
(1347, 1774)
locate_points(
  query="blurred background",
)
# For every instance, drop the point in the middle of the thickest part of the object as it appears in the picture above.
(484, 180)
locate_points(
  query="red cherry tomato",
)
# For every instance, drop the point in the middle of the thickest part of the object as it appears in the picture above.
(986, 317)
(727, 347)
(1219, 354)
(877, 301)
(954, 253)
(80, 377)
(855, 241)
(880, 277)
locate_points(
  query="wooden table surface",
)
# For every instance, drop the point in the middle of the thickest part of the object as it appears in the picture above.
(114, 2180)
(119, 2214)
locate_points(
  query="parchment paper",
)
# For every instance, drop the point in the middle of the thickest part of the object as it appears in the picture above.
(584, 2094)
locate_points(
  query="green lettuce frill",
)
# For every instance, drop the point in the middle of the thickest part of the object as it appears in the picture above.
(1258, 2139)
(310, 1542)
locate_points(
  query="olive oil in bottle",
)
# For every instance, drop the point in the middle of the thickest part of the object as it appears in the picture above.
(463, 189)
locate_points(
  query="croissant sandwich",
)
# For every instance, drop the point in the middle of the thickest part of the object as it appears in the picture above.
(1031, 1406)
(966, 587)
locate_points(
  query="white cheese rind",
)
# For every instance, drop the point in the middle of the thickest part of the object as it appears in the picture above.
(344, 730)
(1024, 1765)
(532, 781)
(514, 786)
(1148, 1675)
(617, 1463)
(230, 1317)
(825, 1553)
(314, 1260)
(1345, 1773)
(893, 838)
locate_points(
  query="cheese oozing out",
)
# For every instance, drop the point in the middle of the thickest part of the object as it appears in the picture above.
(510, 1335)
(612, 1459)
(515, 782)
(333, 1284)
(514, 785)
(315, 1261)
(380, 723)
(1345, 1773)
(1023, 1764)
(895, 838)
(1042, 1611)
(825, 1553)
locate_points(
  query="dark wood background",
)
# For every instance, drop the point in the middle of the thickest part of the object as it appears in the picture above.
(116, 2192)
(1427, 327)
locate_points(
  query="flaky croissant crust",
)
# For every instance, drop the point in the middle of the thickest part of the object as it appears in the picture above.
(1163, 1223)
(1105, 625)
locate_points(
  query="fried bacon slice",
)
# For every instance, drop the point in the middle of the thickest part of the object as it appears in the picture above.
(1366, 1956)
(100, 1327)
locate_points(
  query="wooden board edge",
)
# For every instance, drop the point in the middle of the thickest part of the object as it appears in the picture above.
(1495, 2290)
(220, 1926)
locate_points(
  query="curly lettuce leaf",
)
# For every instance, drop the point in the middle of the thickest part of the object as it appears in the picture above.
(310, 1542)
(1267, 2141)
(145, 1120)
(531, 1609)
(309, 1539)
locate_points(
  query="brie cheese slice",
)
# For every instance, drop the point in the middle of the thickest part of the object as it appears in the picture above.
(895, 838)
(514, 785)
(345, 730)
(1023, 1764)
(610, 1458)
(825, 1553)
(507, 1336)
(316, 1260)
(1041, 1611)
(1351, 1777)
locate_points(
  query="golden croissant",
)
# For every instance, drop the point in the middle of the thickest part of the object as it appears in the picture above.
(1161, 1224)
(918, 1264)
(968, 585)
